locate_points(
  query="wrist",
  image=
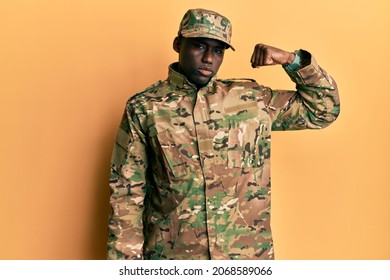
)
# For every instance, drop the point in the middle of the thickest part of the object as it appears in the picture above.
(290, 59)
(295, 64)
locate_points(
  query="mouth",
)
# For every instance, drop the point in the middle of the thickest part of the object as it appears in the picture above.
(205, 71)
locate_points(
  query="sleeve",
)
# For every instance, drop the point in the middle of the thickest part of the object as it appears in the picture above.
(315, 103)
(128, 184)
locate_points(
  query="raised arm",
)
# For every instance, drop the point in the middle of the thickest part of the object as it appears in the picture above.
(315, 103)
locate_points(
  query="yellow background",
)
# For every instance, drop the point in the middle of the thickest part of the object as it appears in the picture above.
(68, 67)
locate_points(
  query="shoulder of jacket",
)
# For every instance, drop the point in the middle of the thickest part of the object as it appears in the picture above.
(148, 93)
(150, 89)
(137, 101)
(243, 84)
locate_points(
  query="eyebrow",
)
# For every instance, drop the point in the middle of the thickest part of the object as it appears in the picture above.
(206, 40)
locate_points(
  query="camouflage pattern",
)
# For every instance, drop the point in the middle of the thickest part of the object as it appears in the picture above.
(190, 173)
(205, 23)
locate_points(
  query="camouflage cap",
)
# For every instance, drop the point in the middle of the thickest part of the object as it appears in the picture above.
(205, 23)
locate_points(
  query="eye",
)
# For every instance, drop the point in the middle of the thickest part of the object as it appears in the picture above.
(199, 46)
(219, 50)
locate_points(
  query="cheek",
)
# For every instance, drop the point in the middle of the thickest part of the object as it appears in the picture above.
(192, 62)
(218, 62)
(187, 57)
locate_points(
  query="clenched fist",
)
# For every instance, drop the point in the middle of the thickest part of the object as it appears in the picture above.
(264, 55)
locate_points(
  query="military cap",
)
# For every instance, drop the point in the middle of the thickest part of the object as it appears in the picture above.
(206, 23)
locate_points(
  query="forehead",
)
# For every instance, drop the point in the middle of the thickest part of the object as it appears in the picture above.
(208, 41)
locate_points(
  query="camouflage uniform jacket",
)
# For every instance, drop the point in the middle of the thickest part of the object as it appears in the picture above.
(190, 175)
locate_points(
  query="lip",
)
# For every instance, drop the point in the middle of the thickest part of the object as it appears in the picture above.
(205, 72)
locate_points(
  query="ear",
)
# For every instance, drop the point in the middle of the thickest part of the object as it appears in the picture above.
(176, 44)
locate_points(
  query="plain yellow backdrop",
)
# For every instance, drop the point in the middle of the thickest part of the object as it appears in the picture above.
(68, 67)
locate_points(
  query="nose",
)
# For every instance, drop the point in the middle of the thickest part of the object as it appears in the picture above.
(207, 56)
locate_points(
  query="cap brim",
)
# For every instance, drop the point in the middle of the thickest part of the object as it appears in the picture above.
(203, 35)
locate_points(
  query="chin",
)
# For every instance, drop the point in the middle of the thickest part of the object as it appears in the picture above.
(202, 82)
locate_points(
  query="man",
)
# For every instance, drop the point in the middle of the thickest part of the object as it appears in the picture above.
(190, 173)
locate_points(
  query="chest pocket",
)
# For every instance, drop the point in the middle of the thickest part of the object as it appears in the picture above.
(248, 136)
(167, 151)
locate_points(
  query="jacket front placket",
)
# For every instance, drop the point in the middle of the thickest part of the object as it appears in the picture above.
(206, 153)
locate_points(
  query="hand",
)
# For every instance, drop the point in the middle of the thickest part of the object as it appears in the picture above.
(264, 55)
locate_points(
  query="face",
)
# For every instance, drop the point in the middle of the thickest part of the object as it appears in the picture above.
(199, 58)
